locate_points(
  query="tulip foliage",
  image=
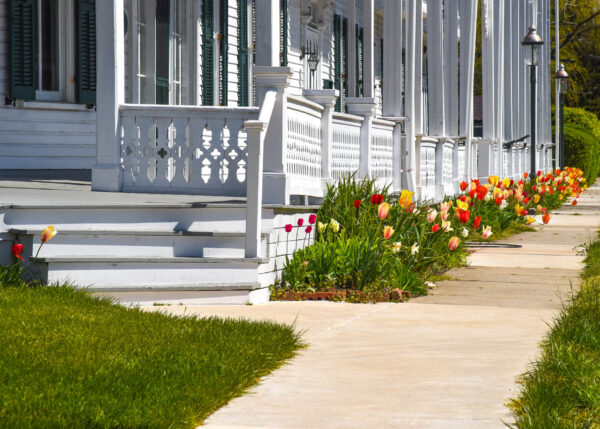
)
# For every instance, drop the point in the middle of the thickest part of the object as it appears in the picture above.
(384, 241)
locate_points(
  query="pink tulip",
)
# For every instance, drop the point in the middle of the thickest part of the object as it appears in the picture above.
(453, 243)
(384, 209)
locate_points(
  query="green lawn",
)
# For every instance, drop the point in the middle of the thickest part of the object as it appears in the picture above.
(70, 360)
(562, 390)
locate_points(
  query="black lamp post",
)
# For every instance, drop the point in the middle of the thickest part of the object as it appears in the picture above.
(562, 77)
(534, 41)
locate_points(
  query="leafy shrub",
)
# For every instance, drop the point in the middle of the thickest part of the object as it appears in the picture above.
(582, 150)
(581, 117)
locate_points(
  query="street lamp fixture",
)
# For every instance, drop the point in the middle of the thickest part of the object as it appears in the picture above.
(533, 41)
(562, 77)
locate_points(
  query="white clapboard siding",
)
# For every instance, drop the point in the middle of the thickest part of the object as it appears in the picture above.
(232, 55)
(294, 47)
(47, 139)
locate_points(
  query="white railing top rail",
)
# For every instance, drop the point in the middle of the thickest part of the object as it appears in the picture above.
(383, 123)
(339, 118)
(296, 101)
(132, 110)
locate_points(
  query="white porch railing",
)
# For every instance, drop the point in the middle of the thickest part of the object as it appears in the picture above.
(185, 149)
(345, 145)
(304, 146)
(382, 152)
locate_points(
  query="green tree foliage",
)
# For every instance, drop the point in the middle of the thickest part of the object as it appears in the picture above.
(580, 51)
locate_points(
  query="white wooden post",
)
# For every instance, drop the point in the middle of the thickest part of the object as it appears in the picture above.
(411, 148)
(267, 33)
(352, 71)
(274, 176)
(450, 53)
(392, 58)
(327, 99)
(499, 35)
(435, 58)
(254, 185)
(418, 33)
(368, 36)
(364, 107)
(110, 43)
(468, 31)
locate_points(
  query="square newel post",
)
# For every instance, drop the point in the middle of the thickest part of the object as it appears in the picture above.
(254, 185)
(364, 107)
(274, 177)
(327, 99)
(368, 7)
(110, 45)
(439, 169)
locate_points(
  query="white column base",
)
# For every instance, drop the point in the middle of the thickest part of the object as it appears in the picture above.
(107, 178)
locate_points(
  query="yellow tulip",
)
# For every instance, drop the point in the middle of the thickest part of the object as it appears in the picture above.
(405, 199)
(388, 231)
(48, 233)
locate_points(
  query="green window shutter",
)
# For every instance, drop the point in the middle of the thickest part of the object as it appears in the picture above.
(359, 61)
(224, 63)
(283, 39)
(327, 84)
(243, 54)
(381, 59)
(86, 51)
(345, 61)
(337, 64)
(22, 45)
(208, 53)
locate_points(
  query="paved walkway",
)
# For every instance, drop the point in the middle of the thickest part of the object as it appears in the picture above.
(447, 360)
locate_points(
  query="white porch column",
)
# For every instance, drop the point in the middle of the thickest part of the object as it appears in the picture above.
(392, 58)
(435, 60)
(411, 148)
(327, 99)
(275, 185)
(267, 33)
(468, 31)
(110, 45)
(499, 35)
(418, 114)
(364, 107)
(368, 40)
(451, 67)
(352, 71)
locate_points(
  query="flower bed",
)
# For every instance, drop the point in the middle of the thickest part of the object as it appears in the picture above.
(370, 241)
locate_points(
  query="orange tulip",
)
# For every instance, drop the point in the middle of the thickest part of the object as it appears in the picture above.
(384, 209)
(48, 233)
(453, 243)
(546, 218)
(463, 186)
(525, 175)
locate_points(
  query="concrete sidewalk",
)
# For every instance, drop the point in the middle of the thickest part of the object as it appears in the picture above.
(448, 360)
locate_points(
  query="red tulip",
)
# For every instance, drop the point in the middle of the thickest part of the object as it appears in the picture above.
(435, 228)
(357, 204)
(308, 229)
(463, 215)
(16, 251)
(498, 200)
(463, 185)
(288, 227)
(376, 199)
(476, 222)
(539, 173)
(300, 222)
(574, 203)
(312, 219)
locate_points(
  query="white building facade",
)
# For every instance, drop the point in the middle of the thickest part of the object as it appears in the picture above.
(267, 100)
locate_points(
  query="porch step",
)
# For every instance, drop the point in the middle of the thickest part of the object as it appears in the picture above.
(149, 252)
(131, 243)
(110, 273)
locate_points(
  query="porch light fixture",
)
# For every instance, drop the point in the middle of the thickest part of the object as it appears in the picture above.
(562, 78)
(534, 41)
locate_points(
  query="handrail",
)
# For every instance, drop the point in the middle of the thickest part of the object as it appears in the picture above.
(254, 182)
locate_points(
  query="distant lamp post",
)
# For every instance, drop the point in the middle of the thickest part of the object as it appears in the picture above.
(562, 77)
(534, 41)
(311, 50)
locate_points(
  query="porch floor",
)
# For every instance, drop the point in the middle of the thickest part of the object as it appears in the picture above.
(64, 188)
